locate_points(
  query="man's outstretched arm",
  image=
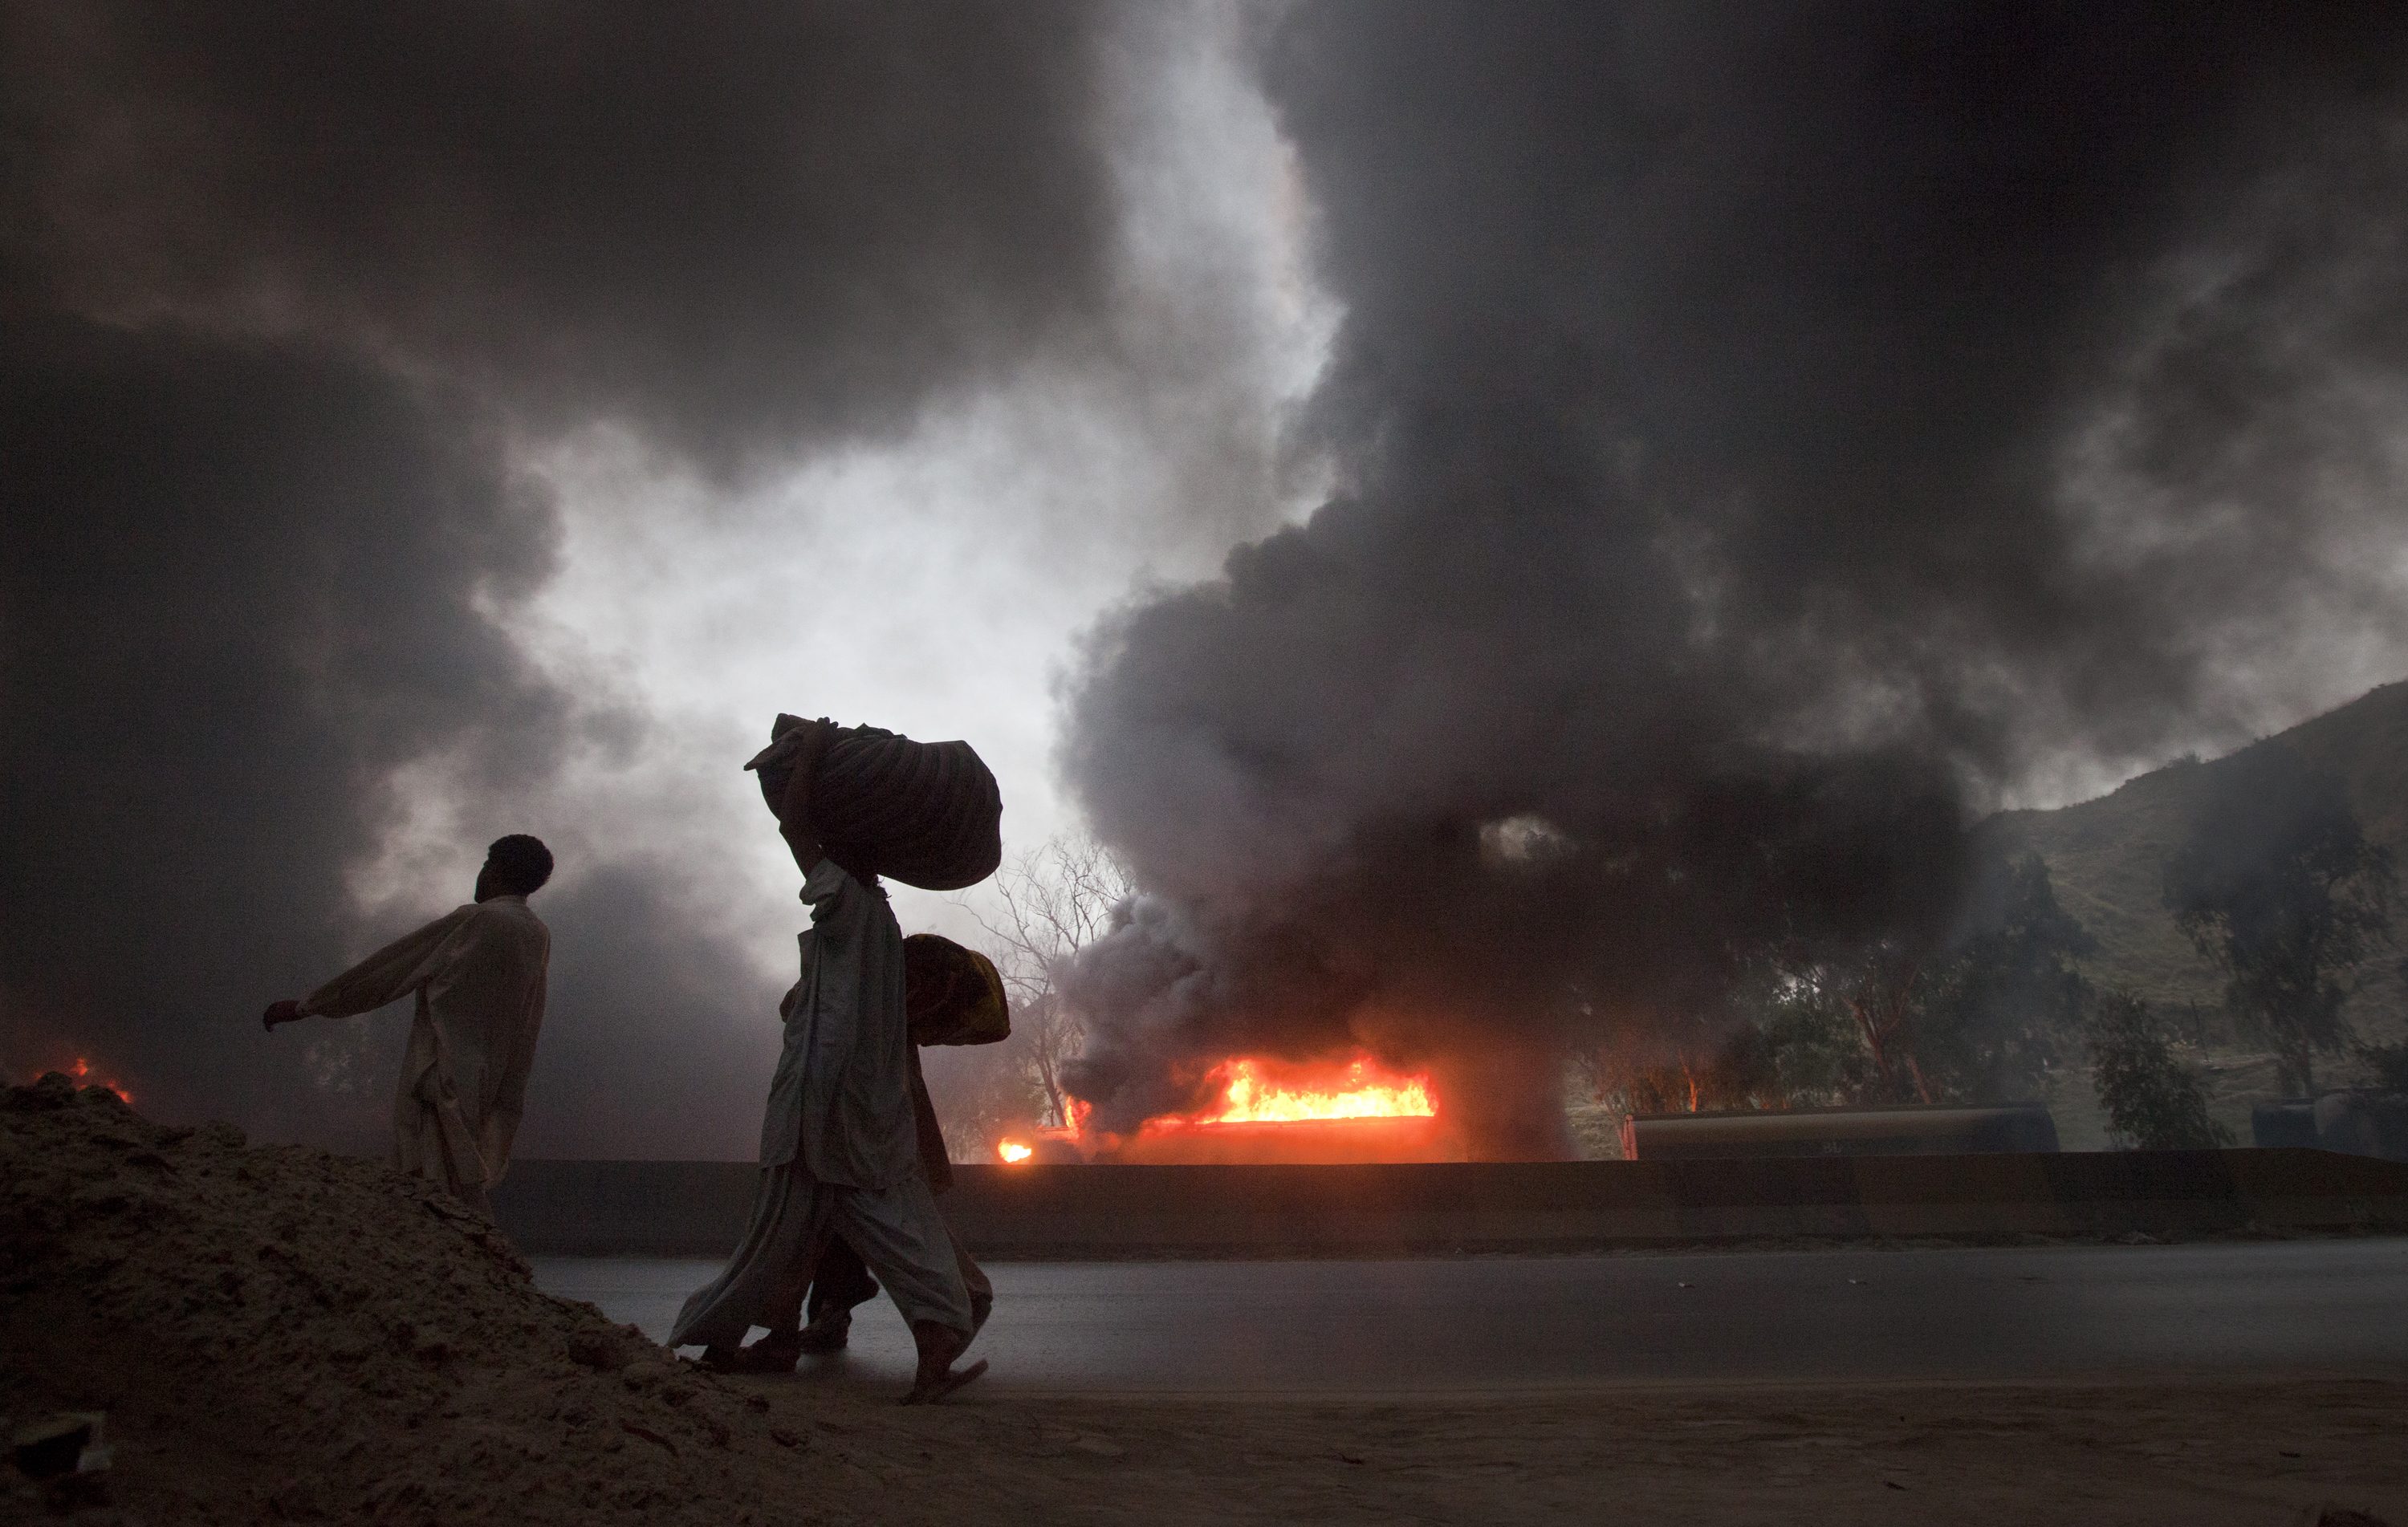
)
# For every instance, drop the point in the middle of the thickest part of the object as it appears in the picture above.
(390, 974)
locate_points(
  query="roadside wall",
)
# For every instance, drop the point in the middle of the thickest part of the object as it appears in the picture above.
(699, 1209)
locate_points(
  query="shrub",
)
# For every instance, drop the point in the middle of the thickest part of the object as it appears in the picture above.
(2153, 1101)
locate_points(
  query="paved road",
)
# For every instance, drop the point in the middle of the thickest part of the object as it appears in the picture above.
(1522, 1323)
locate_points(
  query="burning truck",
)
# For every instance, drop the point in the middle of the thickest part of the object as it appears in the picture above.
(1263, 1110)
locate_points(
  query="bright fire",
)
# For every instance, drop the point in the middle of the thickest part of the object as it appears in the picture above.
(81, 1072)
(1260, 1110)
(1358, 1091)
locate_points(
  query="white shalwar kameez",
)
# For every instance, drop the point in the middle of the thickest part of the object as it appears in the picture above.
(478, 976)
(840, 1141)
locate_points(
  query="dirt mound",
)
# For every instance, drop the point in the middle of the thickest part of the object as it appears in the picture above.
(279, 1333)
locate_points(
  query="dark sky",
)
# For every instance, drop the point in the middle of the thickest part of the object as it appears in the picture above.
(285, 289)
(1757, 437)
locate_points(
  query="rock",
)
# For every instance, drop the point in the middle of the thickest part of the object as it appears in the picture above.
(601, 1351)
(55, 1090)
(56, 1444)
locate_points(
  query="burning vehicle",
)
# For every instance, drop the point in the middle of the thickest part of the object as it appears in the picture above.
(1260, 1110)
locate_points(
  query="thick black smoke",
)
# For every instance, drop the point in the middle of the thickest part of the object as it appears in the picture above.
(735, 231)
(241, 584)
(1762, 433)
(282, 290)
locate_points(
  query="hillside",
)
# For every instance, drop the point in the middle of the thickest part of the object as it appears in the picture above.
(2105, 857)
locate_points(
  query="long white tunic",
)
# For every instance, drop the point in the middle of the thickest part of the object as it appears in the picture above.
(840, 1100)
(478, 976)
(841, 1138)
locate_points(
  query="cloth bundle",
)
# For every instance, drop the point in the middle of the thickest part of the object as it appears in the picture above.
(953, 995)
(926, 813)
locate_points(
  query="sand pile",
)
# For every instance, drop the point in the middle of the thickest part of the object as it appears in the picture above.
(281, 1335)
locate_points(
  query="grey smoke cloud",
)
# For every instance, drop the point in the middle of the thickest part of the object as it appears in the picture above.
(1765, 435)
(735, 232)
(241, 583)
(1758, 437)
(288, 292)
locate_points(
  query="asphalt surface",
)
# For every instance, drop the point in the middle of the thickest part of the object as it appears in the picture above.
(1504, 1324)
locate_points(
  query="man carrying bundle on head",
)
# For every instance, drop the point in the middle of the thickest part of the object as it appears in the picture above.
(479, 975)
(840, 1141)
(952, 996)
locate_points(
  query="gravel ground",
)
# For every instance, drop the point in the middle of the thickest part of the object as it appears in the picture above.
(279, 1335)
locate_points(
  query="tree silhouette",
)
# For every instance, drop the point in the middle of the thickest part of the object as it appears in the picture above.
(1979, 1019)
(1049, 903)
(1991, 1017)
(2278, 884)
(2152, 1100)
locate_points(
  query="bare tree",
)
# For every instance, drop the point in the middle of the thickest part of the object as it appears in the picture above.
(1051, 901)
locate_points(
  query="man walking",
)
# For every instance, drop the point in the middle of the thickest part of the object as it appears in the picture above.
(478, 976)
(841, 1282)
(839, 1144)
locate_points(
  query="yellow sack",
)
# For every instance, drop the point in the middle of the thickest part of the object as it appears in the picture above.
(953, 995)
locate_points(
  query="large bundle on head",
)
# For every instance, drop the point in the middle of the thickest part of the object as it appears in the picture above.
(926, 813)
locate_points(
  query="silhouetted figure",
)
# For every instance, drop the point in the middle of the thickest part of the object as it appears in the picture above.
(478, 976)
(843, 1283)
(840, 1142)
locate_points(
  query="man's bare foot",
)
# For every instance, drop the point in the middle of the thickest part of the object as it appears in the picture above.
(829, 1333)
(776, 1352)
(927, 1392)
(938, 1377)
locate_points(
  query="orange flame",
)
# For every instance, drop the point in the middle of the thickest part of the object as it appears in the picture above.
(1013, 1151)
(82, 1068)
(1371, 1113)
(1357, 1091)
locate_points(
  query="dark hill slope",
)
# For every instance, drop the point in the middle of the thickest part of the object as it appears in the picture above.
(2104, 856)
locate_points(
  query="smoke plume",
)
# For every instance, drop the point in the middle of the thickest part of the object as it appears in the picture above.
(284, 291)
(1761, 436)
(1764, 437)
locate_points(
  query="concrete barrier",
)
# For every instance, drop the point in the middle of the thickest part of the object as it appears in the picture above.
(697, 1209)
(1907, 1130)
